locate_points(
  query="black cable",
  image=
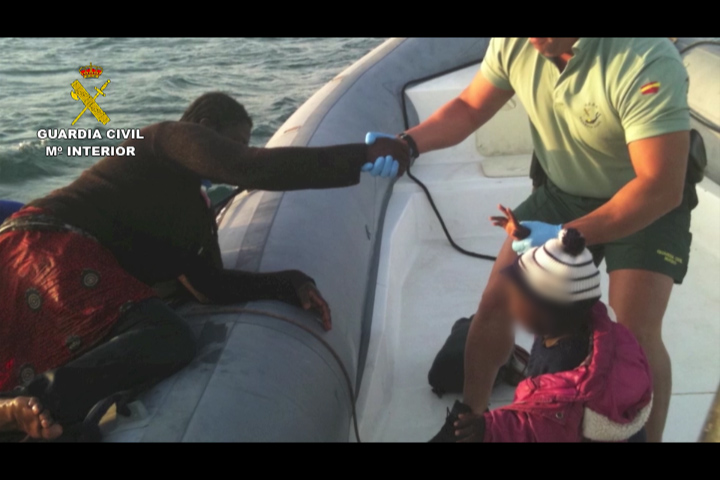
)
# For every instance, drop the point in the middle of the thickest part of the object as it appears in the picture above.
(442, 223)
(699, 43)
(406, 121)
(219, 206)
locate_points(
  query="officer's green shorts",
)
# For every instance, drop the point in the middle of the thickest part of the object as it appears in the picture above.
(662, 247)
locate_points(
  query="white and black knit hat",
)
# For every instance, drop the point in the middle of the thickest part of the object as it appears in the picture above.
(561, 272)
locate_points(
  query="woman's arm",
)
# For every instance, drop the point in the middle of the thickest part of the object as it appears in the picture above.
(208, 283)
(206, 154)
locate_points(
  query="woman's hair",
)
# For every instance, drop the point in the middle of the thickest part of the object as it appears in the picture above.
(218, 109)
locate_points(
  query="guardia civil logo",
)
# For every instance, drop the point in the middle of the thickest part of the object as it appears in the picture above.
(74, 139)
(79, 93)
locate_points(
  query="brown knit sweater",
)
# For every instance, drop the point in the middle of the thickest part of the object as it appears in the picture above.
(148, 211)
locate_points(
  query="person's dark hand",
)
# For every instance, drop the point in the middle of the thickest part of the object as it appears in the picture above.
(387, 157)
(470, 428)
(511, 225)
(309, 297)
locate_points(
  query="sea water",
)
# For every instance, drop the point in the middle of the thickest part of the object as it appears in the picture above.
(151, 80)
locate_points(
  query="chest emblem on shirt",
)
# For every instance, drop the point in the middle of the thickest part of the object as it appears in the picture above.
(650, 88)
(591, 117)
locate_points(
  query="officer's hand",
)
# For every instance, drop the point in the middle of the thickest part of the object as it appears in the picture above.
(388, 157)
(540, 232)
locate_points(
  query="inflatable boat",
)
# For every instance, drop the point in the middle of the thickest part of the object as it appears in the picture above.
(267, 372)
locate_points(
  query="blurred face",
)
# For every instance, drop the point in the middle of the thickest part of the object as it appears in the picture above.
(526, 312)
(553, 46)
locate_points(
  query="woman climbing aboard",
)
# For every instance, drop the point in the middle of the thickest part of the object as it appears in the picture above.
(80, 321)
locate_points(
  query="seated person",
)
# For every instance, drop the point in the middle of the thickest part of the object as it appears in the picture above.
(80, 321)
(588, 378)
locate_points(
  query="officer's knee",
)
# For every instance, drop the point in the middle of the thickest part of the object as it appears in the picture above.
(648, 334)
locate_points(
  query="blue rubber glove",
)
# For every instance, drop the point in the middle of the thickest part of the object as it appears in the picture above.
(540, 232)
(384, 167)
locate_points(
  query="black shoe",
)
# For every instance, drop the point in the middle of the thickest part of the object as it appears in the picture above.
(447, 432)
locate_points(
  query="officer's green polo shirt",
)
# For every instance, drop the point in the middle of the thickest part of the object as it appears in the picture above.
(613, 91)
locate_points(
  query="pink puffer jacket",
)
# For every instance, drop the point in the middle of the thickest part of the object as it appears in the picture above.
(607, 398)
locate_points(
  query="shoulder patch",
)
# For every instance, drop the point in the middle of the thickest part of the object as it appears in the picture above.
(650, 88)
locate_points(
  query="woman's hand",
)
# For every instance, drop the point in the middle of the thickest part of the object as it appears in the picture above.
(309, 297)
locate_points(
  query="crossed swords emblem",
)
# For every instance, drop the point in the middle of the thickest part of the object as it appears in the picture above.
(79, 93)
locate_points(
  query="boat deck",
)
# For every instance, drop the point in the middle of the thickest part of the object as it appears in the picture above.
(431, 286)
(424, 285)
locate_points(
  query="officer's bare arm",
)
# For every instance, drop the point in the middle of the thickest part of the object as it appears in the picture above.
(660, 164)
(460, 117)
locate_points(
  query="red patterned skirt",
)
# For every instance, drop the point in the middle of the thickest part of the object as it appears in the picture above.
(61, 292)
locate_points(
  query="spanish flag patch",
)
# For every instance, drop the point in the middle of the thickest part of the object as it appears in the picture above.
(650, 88)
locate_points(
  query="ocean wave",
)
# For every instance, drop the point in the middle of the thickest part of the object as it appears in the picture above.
(153, 79)
(22, 72)
(179, 81)
(27, 161)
